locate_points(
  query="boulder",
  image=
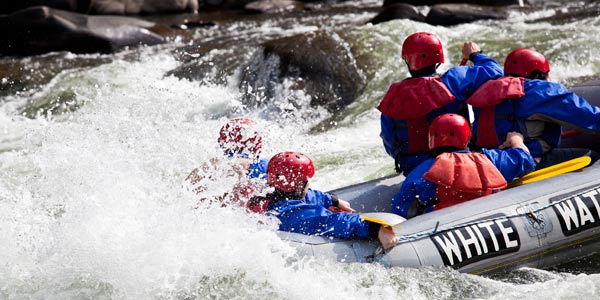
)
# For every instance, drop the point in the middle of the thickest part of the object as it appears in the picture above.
(398, 11)
(477, 2)
(41, 29)
(318, 63)
(81, 6)
(453, 14)
(127, 7)
(114, 7)
(274, 6)
(223, 4)
(569, 14)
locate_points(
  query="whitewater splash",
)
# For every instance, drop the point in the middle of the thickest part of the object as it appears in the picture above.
(94, 203)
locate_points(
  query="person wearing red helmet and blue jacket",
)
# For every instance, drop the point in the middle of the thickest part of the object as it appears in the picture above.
(455, 174)
(524, 101)
(303, 210)
(410, 105)
(241, 144)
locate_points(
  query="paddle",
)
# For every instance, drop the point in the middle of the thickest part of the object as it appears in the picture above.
(558, 169)
(384, 218)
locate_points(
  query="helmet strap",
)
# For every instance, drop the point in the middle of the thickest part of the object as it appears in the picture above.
(444, 149)
(279, 195)
(426, 71)
(537, 74)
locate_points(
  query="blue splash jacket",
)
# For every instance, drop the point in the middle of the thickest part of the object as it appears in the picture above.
(258, 169)
(311, 216)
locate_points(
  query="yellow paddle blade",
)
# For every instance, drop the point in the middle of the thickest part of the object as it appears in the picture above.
(551, 171)
(386, 219)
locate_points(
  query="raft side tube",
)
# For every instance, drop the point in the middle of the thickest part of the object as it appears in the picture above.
(371, 196)
(541, 225)
(502, 236)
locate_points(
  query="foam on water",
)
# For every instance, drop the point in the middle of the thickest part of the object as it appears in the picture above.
(93, 203)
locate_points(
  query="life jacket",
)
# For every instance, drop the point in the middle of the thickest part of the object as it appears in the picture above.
(462, 177)
(411, 100)
(490, 94)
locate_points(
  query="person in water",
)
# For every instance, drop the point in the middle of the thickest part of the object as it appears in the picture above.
(241, 144)
(455, 174)
(304, 210)
(525, 101)
(410, 105)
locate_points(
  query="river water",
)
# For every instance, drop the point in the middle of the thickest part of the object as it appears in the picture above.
(92, 200)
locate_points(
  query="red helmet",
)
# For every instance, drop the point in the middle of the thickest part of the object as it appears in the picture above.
(422, 49)
(237, 136)
(449, 130)
(287, 170)
(522, 62)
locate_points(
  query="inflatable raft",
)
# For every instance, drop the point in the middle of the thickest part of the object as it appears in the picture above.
(540, 224)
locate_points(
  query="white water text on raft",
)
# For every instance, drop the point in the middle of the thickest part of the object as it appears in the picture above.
(468, 244)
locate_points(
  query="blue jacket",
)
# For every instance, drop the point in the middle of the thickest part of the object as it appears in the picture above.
(461, 81)
(258, 169)
(510, 162)
(540, 114)
(310, 215)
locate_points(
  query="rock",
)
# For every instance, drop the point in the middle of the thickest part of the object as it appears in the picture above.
(318, 63)
(398, 11)
(477, 2)
(224, 4)
(215, 68)
(453, 14)
(126, 7)
(81, 6)
(273, 6)
(570, 14)
(42, 29)
(119, 7)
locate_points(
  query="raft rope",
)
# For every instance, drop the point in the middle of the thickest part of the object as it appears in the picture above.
(531, 214)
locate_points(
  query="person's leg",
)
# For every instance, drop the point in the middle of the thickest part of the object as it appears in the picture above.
(558, 155)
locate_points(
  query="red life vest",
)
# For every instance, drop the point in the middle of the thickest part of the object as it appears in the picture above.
(411, 100)
(462, 177)
(486, 98)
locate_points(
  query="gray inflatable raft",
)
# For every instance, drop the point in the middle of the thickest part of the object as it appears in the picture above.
(541, 224)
